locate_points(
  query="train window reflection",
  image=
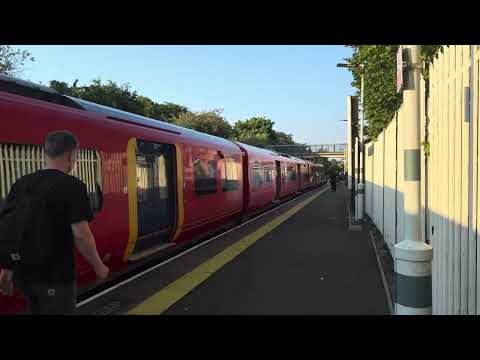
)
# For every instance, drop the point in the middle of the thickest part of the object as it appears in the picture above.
(230, 179)
(205, 172)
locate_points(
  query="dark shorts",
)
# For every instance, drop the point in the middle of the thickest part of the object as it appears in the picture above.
(48, 298)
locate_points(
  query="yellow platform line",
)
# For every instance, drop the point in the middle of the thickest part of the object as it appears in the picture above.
(169, 295)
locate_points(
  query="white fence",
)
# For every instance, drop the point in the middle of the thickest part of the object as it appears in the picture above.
(17, 160)
(449, 183)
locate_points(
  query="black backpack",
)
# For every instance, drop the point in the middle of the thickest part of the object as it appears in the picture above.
(25, 228)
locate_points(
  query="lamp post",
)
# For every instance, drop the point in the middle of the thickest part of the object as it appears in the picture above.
(360, 193)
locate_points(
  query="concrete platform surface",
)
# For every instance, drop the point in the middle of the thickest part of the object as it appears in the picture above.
(299, 259)
(310, 264)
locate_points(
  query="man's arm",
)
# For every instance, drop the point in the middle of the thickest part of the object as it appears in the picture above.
(79, 214)
(85, 243)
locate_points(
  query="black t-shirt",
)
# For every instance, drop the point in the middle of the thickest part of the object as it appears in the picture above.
(67, 203)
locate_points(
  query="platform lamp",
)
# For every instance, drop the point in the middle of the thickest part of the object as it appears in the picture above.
(360, 194)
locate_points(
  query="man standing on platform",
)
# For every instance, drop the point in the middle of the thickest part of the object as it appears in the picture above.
(56, 218)
(333, 182)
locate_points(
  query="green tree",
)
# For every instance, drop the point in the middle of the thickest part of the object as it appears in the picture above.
(324, 162)
(65, 89)
(210, 122)
(258, 141)
(108, 94)
(12, 60)
(283, 139)
(380, 91)
(120, 97)
(167, 111)
(258, 129)
(332, 167)
(170, 110)
(113, 95)
(380, 96)
(428, 53)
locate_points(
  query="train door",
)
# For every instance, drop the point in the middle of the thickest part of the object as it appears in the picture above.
(156, 205)
(278, 179)
(299, 176)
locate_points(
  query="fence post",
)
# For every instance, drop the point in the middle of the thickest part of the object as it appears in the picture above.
(352, 118)
(361, 149)
(412, 256)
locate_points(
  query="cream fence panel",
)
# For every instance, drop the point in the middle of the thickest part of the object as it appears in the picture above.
(400, 165)
(389, 192)
(378, 182)
(450, 178)
(369, 155)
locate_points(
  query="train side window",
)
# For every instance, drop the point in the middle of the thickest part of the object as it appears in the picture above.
(205, 172)
(17, 160)
(291, 174)
(88, 169)
(294, 174)
(230, 181)
(257, 176)
(268, 174)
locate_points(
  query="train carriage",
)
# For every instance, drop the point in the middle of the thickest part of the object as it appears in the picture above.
(151, 184)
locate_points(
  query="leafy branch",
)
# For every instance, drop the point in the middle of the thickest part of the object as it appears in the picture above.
(380, 92)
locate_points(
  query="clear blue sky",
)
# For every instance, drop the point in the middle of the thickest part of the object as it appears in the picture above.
(298, 87)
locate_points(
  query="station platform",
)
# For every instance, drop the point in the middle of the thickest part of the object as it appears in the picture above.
(301, 258)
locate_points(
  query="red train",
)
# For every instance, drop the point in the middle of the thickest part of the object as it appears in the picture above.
(152, 185)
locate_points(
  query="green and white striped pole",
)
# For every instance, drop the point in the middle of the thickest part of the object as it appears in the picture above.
(412, 255)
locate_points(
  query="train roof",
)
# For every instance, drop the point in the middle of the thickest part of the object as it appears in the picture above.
(256, 149)
(32, 90)
(117, 114)
(271, 152)
(36, 91)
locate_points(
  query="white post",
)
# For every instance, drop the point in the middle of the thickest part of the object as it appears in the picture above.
(361, 185)
(352, 151)
(362, 120)
(350, 166)
(356, 177)
(412, 255)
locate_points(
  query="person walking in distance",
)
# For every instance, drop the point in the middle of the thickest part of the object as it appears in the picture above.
(333, 182)
(50, 285)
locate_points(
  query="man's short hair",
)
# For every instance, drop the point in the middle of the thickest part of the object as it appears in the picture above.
(60, 142)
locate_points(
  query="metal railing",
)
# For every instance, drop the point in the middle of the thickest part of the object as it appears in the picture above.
(303, 150)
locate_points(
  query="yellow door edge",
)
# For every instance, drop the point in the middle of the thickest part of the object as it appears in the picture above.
(132, 197)
(180, 205)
